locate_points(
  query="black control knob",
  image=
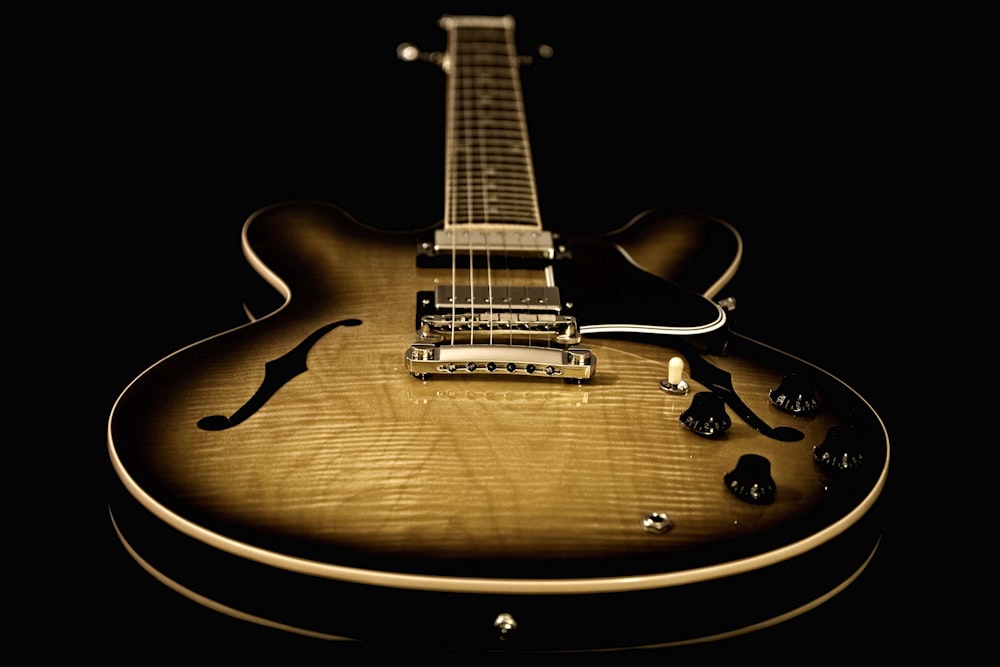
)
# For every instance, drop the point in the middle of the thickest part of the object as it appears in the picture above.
(840, 452)
(707, 415)
(751, 480)
(796, 395)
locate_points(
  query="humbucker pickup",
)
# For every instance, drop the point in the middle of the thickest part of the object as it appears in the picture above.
(498, 297)
(515, 314)
(515, 242)
(575, 364)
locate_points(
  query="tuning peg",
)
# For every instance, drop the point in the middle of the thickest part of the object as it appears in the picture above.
(544, 52)
(408, 52)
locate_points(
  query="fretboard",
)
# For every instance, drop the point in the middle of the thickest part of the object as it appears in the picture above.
(489, 178)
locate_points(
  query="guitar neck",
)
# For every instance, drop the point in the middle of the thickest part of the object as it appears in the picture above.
(489, 178)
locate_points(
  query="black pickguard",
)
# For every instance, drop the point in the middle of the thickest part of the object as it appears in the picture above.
(603, 287)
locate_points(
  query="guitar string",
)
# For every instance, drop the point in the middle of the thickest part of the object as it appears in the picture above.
(473, 134)
(483, 184)
(477, 132)
(512, 63)
(484, 97)
(450, 198)
(507, 59)
(523, 148)
(508, 55)
(462, 153)
(468, 146)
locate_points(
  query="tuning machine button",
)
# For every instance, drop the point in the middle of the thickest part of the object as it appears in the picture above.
(839, 452)
(751, 480)
(796, 395)
(408, 52)
(707, 415)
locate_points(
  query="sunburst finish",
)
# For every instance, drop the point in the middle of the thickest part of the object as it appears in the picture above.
(346, 469)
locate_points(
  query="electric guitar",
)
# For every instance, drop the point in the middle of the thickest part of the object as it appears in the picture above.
(490, 434)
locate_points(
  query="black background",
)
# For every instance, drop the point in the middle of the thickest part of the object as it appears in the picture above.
(788, 126)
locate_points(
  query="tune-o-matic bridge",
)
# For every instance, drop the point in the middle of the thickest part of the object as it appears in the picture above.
(573, 364)
(497, 330)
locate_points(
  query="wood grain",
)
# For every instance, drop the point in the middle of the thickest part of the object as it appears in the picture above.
(357, 459)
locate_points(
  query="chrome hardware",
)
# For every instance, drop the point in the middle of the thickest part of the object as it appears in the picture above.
(512, 242)
(674, 384)
(408, 53)
(657, 522)
(436, 328)
(505, 625)
(680, 388)
(528, 297)
(574, 364)
(728, 304)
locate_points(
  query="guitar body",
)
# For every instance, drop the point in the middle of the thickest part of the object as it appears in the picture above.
(294, 472)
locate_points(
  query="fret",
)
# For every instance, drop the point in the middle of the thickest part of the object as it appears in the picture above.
(489, 176)
(490, 128)
(482, 209)
(479, 146)
(500, 153)
(509, 200)
(495, 196)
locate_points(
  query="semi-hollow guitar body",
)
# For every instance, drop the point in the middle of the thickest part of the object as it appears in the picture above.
(488, 435)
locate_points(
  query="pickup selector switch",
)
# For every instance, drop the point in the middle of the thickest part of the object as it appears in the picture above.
(707, 415)
(674, 383)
